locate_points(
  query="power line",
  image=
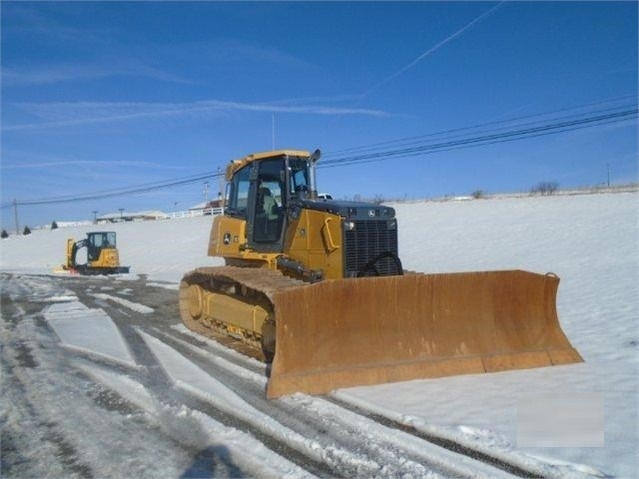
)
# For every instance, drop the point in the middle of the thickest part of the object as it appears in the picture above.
(375, 152)
(507, 124)
(140, 189)
(485, 139)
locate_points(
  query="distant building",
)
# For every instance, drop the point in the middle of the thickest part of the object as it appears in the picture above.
(131, 216)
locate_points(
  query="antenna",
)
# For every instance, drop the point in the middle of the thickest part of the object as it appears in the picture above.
(15, 213)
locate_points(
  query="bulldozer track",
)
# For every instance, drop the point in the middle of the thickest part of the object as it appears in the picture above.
(266, 281)
(323, 436)
(250, 286)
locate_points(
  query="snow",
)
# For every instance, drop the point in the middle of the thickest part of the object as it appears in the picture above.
(162, 249)
(258, 378)
(188, 376)
(139, 308)
(589, 241)
(243, 448)
(58, 429)
(89, 331)
(218, 347)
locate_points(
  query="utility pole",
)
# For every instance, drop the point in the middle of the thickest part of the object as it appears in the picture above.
(220, 187)
(121, 210)
(608, 168)
(15, 213)
(206, 193)
(273, 130)
(95, 217)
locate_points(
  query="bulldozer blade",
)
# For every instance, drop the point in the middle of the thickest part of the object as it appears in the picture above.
(351, 332)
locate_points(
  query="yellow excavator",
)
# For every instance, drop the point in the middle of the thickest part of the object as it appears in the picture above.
(318, 286)
(102, 255)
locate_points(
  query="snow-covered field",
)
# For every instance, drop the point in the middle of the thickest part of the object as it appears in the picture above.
(590, 241)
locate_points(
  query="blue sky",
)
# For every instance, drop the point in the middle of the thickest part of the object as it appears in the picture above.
(98, 96)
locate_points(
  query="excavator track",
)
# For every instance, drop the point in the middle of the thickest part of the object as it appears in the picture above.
(232, 302)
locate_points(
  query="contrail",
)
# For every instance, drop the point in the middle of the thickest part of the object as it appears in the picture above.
(110, 112)
(434, 49)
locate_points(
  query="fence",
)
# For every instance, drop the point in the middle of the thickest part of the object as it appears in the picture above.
(195, 213)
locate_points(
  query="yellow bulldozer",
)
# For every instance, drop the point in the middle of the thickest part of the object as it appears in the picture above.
(102, 255)
(317, 285)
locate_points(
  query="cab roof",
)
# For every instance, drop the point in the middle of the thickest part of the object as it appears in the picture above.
(236, 165)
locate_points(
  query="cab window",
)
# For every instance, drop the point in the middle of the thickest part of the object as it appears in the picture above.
(110, 239)
(103, 240)
(299, 176)
(237, 193)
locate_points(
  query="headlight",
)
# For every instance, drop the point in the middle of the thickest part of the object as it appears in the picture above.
(349, 225)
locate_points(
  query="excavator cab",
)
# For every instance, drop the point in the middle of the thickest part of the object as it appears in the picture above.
(318, 286)
(97, 243)
(102, 254)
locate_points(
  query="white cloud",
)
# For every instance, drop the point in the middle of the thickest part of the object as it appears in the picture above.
(22, 160)
(44, 75)
(63, 114)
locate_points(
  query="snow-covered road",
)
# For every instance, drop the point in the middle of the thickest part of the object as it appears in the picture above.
(99, 384)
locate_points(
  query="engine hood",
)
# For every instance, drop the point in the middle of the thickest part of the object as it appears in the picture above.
(347, 209)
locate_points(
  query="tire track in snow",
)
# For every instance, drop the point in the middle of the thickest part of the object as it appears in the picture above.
(52, 424)
(179, 422)
(342, 460)
(396, 452)
(163, 389)
(510, 461)
(446, 443)
(299, 413)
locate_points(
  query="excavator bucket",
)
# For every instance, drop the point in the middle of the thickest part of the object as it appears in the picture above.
(351, 332)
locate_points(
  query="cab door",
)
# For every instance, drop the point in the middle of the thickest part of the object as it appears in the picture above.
(267, 200)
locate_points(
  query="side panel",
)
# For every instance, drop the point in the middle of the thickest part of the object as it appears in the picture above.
(315, 240)
(109, 258)
(363, 331)
(227, 234)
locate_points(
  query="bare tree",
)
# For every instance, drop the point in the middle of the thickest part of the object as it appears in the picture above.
(545, 188)
(377, 199)
(478, 194)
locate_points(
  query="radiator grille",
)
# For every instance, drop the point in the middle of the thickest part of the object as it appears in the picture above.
(365, 242)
